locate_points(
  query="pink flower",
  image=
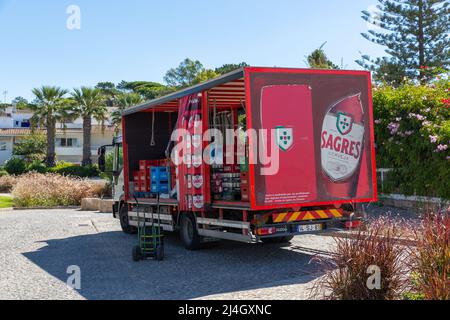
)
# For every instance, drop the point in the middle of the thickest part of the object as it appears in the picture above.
(393, 128)
(433, 139)
(442, 147)
(378, 121)
(409, 133)
(420, 117)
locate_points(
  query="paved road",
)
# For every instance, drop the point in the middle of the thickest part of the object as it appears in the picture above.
(36, 248)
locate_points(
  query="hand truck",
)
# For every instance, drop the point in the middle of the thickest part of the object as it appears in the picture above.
(150, 237)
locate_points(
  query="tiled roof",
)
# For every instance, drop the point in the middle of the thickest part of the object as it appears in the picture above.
(27, 131)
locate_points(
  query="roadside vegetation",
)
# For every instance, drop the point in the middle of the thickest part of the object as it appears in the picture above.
(412, 128)
(50, 190)
(413, 261)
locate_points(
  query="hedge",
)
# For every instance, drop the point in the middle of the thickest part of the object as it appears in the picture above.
(412, 128)
(17, 166)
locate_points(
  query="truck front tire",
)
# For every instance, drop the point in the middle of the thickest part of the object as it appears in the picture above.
(124, 222)
(189, 232)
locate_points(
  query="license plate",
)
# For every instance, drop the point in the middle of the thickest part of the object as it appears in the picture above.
(309, 228)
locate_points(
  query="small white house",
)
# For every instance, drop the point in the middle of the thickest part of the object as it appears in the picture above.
(15, 124)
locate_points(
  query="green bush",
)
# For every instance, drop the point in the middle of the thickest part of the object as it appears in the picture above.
(68, 169)
(15, 166)
(3, 172)
(412, 128)
(37, 166)
(32, 147)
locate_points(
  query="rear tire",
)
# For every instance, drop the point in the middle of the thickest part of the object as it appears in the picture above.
(124, 221)
(189, 233)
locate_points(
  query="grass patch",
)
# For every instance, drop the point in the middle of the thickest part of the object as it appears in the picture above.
(6, 202)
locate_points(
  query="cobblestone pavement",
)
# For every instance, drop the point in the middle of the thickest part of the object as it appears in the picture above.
(37, 247)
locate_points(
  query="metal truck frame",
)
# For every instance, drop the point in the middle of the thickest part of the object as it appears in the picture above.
(243, 221)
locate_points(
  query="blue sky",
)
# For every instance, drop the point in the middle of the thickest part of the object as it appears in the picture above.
(140, 40)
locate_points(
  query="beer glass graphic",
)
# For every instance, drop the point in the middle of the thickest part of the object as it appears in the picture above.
(342, 146)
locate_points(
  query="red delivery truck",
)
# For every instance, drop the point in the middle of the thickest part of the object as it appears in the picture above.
(256, 155)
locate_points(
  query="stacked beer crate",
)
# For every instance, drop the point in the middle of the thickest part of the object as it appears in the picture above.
(159, 180)
(231, 183)
(226, 183)
(142, 177)
(153, 176)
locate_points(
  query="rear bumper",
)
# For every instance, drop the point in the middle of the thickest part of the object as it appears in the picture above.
(292, 228)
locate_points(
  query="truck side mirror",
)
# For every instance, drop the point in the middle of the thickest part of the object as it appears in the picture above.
(102, 159)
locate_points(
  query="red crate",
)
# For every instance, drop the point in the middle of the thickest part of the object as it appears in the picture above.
(136, 176)
(145, 165)
(144, 175)
(144, 186)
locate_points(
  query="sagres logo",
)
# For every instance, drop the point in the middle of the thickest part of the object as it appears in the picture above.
(344, 123)
(285, 138)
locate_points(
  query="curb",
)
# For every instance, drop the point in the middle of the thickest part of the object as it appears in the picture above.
(45, 208)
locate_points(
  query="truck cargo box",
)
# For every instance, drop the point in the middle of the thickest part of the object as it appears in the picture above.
(310, 138)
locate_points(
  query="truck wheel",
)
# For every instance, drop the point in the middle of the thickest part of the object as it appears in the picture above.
(189, 233)
(286, 239)
(124, 222)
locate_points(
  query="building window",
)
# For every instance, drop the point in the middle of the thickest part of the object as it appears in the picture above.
(66, 142)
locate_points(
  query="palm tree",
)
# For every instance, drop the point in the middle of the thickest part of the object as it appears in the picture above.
(90, 104)
(50, 107)
(124, 101)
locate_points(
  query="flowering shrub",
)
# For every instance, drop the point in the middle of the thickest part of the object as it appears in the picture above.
(412, 127)
(47, 190)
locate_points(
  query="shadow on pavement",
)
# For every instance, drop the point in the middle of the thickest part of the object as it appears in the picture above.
(108, 272)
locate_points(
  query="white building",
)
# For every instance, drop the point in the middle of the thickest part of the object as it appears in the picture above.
(15, 124)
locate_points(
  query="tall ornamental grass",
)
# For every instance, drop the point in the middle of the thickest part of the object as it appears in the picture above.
(350, 265)
(48, 190)
(430, 268)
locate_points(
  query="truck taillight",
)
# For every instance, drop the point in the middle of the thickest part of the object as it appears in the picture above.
(266, 231)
